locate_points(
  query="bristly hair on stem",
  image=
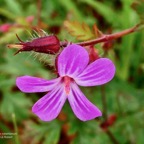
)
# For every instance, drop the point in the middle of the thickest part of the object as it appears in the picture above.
(50, 44)
(107, 37)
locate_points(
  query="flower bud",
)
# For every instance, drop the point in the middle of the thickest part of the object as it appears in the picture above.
(109, 122)
(93, 53)
(5, 27)
(47, 44)
(30, 19)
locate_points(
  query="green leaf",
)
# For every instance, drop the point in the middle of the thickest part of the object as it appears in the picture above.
(138, 6)
(7, 14)
(47, 133)
(80, 31)
(87, 132)
(14, 7)
(103, 9)
(10, 36)
(71, 6)
(15, 103)
(22, 64)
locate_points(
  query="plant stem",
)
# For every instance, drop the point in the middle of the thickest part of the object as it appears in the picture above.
(111, 136)
(104, 102)
(105, 37)
(119, 104)
(15, 129)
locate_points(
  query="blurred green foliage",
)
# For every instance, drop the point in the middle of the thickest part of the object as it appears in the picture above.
(124, 94)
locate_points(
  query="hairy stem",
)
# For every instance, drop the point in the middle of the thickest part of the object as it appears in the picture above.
(106, 37)
(112, 137)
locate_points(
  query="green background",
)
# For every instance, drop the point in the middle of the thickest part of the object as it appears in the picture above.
(122, 99)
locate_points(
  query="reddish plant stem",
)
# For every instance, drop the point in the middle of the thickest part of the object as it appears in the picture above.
(111, 136)
(105, 37)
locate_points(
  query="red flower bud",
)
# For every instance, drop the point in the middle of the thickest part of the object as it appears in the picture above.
(93, 53)
(109, 122)
(30, 19)
(47, 44)
(5, 27)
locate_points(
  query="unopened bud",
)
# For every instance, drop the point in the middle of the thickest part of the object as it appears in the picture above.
(93, 53)
(47, 44)
(5, 27)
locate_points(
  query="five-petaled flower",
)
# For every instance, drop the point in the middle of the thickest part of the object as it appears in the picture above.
(74, 69)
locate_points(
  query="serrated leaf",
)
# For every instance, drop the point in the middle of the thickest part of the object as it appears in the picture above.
(86, 133)
(96, 31)
(80, 31)
(14, 103)
(47, 133)
(21, 64)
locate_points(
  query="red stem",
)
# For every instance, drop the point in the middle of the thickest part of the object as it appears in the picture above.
(105, 37)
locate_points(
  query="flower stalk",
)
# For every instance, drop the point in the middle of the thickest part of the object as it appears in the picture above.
(106, 37)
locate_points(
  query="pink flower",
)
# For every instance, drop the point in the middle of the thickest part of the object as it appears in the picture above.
(30, 19)
(5, 27)
(73, 70)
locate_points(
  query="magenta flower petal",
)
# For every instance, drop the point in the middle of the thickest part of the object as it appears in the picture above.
(34, 84)
(81, 106)
(72, 60)
(48, 107)
(99, 72)
(73, 69)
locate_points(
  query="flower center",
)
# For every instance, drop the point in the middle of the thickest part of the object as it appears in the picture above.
(67, 81)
